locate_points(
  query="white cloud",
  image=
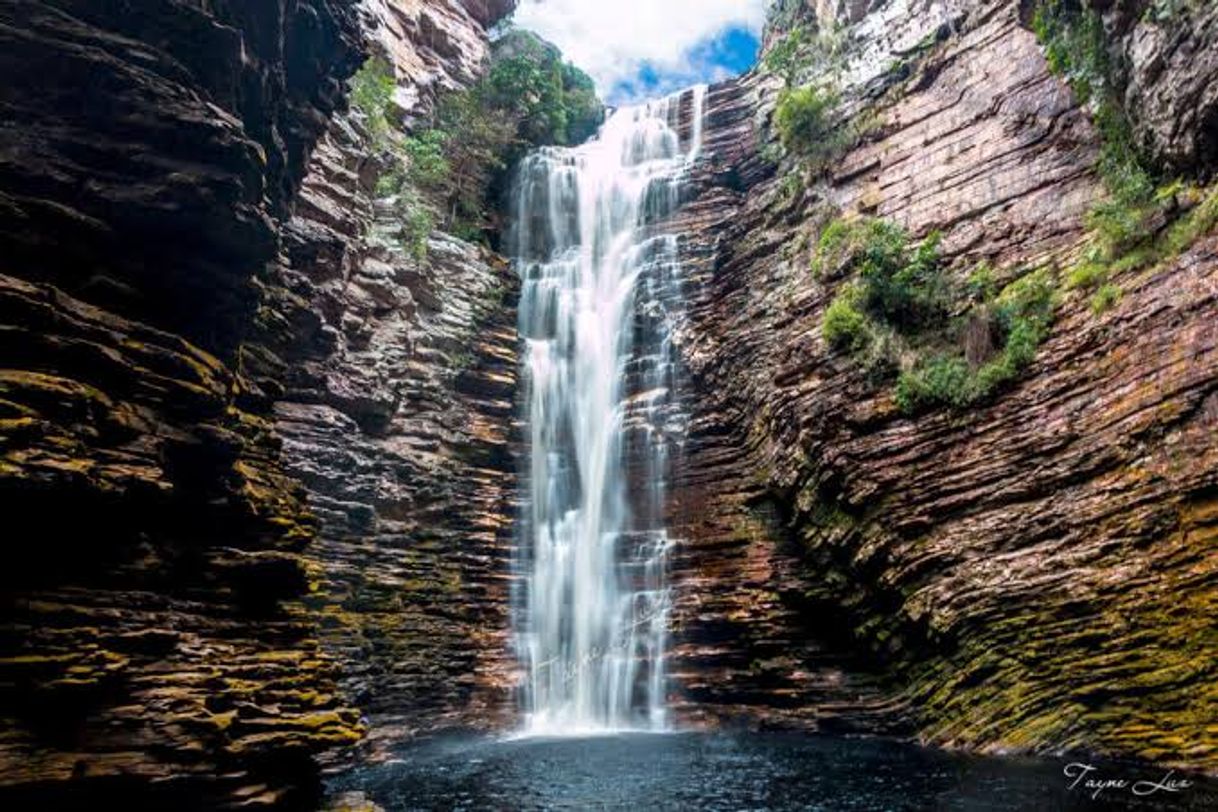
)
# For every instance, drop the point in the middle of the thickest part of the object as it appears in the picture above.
(613, 39)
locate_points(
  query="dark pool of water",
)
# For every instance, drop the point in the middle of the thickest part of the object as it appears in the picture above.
(695, 771)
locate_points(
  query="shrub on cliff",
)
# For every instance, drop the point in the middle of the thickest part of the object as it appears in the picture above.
(1105, 298)
(902, 285)
(896, 314)
(908, 288)
(845, 323)
(1127, 226)
(1021, 315)
(449, 169)
(1076, 48)
(941, 379)
(371, 95)
(806, 50)
(847, 243)
(807, 122)
(784, 57)
(478, 139)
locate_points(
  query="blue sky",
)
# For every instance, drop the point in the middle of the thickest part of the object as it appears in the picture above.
(639, 49)
(726, 54)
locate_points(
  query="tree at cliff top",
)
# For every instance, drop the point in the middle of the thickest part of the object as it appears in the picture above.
(553, 102)
(454, 167)
(808, 117)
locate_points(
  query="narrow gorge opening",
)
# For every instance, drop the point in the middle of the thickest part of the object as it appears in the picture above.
(600, 300)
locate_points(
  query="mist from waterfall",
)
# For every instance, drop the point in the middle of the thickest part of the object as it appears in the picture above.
(600, 295)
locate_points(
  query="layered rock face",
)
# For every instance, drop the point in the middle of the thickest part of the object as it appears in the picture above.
(152, 630)
(1169, 66)
(203, 312)
(397, 411)
(744, 649)
(433, 45)
(203, 308)
(1034, 573)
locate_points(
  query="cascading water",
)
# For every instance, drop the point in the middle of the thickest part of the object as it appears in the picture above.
(599, 298)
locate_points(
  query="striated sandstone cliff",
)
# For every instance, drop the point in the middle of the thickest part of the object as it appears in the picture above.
(398, 378)
(202, 312)
(1034, 573)
(204, 309)
(153, 641)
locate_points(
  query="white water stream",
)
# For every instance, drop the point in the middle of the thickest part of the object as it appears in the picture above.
(600, 284)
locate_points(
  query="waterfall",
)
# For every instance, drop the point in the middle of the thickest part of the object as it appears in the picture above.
(600, 295)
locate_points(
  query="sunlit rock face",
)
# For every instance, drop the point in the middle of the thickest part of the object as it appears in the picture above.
(1004, 570)
(434, 45)
(396, 384)
(201, 338)
(745, 650)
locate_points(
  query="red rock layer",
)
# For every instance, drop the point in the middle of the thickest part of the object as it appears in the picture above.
(397, 413)
(1035, 573)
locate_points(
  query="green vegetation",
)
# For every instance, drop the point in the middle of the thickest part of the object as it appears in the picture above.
(427, 158)
(807, 118)
(790, 187)
(907, 289)
(1188, 213)
(785, 15)
(1086, 276)
(1105, 298)
(1164, 11)
(784, 57)
(1202, 218)
(371, 94)
(1076, 48)
(902, 286)
(415, 223)
(896, 315)
(808, 125)
(800, 53)
(845, 244)
(416, 164)
(551, 101)
(980, 283)
(846, 326)
(941, 379)
(446, 171)
(1021, 315)
(1142, 221)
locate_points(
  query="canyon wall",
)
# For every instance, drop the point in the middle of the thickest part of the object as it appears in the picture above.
(200, 315)
(154, 644)
(396, 409)
(258, 461)
(1033, 572)
(744, 650)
